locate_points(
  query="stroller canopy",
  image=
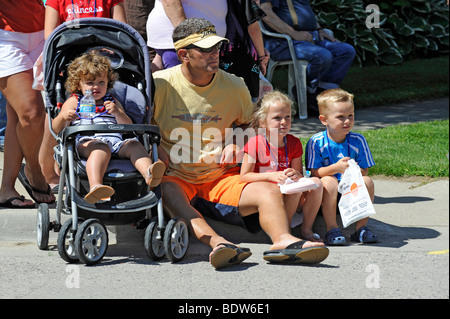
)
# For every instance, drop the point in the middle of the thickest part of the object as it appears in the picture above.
(73, 38)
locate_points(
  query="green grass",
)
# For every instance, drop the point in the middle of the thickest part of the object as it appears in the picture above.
(400, 150)
(410, 81)
(384, 85)
(410, 150)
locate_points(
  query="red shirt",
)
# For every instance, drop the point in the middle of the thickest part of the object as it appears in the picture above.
(273, 159)
(82, 8)
(25, 16)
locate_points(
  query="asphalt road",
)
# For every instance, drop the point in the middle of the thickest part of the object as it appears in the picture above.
(411, 261)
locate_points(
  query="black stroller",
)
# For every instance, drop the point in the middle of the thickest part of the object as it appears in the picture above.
(84, 236)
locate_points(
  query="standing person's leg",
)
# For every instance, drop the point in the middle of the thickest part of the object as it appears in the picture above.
(11, 162)
(46, 158)
(29, 107)
(3, 119)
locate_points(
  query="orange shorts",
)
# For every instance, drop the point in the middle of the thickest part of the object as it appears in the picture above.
(218, 199)
(225, 190)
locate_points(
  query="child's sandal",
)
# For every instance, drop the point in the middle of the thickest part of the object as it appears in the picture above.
(335, 237)
(98, 193)
(155, 173)
(364, 235)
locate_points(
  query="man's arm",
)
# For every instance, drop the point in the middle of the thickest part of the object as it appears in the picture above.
(272, 20)
(231, 153)
(174, 11)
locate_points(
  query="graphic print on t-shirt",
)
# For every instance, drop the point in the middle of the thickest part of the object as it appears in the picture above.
(83, 9)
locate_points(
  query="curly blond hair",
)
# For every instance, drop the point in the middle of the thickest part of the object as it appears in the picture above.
(263, 105)
(87, 67)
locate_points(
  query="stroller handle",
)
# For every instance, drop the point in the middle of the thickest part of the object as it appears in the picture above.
(71, 132)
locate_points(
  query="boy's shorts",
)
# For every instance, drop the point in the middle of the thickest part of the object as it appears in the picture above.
(219, 199)
(19, 51)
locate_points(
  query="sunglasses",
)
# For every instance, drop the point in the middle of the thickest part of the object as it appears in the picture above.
(218, 47)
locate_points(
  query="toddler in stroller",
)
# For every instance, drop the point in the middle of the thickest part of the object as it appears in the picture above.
(121, 131)
(93, 72)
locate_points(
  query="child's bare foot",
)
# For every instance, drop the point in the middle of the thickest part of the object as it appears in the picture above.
(155, 173)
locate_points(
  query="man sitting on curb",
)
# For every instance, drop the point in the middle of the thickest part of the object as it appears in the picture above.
(195, 106)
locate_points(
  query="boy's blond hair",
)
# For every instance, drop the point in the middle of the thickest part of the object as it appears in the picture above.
(326, 99)
(263, 105)
(87, 67)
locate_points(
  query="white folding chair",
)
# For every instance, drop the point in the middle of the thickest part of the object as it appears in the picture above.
(296, 72)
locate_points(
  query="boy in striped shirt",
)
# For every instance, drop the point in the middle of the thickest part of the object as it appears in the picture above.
(327, 154)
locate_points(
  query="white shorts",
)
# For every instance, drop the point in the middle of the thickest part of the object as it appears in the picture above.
(19, 51)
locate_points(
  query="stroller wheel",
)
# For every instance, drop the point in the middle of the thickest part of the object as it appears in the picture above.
(43, 226)
(91, 241)
(66, 243)
(153, 247)
(176, 239)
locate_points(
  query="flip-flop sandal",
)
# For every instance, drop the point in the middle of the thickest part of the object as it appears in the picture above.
(156, 173)
(31, 189)
(295, 254)
(9, 204)
(229, 255)
(98, 193)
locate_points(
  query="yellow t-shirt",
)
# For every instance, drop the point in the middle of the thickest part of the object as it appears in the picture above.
(196, 121)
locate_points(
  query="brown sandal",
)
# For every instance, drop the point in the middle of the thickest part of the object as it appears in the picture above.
(98, 193)
(156, 173)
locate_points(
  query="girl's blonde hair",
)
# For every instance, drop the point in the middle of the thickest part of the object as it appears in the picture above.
(87, 67)
(263, 105)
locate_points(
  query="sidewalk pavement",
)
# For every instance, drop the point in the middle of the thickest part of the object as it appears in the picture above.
(397, 203)
(381, 116)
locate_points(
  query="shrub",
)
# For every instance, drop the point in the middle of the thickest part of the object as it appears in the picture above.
(407, 28)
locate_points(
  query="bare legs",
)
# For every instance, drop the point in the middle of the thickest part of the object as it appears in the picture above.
(310, 203)
(329, 204)
(141, 161)
(272, 215)
(98, 155)
(46, 156)
(25, 126)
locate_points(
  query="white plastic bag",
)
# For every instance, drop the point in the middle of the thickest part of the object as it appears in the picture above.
(355, 203)
(38, 74)
(302, 185)
(264, 85)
